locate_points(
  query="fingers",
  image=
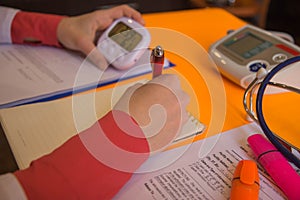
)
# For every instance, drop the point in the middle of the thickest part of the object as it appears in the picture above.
(172, 82)
(78, 33)
(126, 11)
(102, 21)
(87, 47)
(131, 13)
(159, 108)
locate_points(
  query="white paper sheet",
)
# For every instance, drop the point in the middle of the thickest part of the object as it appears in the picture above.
(30, 73)
(185, 173)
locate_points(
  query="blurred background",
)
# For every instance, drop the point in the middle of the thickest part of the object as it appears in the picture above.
(276, 15)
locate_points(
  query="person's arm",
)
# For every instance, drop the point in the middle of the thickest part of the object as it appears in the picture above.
(35, 28)
(75, 33)
(22, 27)
(92, 165)
(97, 163)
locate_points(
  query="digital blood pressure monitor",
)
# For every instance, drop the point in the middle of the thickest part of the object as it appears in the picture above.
(123, 43)
(241, 53)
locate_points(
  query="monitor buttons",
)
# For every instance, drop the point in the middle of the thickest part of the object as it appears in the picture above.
(279, 58)
(256, 65)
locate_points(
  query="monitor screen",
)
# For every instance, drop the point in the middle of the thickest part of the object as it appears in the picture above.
(125, 36)
(247, 45)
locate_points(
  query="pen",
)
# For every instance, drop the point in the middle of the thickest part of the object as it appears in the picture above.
(245, 182)
(157, 61)
(277, 166)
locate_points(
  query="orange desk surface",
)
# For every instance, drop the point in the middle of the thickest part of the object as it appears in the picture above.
(204, 27)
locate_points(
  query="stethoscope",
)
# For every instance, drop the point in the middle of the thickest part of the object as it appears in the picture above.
(262, 80)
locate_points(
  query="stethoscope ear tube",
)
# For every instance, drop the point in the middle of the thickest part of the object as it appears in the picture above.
(259, 113)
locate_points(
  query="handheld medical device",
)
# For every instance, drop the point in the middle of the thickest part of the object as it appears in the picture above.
(124, 42)
(241, 53)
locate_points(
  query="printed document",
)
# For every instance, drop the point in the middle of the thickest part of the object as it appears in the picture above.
(194, 172)
(34, 73)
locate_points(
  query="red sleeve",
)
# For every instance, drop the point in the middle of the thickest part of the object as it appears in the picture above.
(35, 28)
(92, 165)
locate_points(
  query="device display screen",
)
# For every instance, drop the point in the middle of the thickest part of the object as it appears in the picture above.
(247, 45)
(125, 36)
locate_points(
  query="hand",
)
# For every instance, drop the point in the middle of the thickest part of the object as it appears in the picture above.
(159, 108)
(79, 33)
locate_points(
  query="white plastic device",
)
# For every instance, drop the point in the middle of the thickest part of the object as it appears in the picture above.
(241, 53)
(124, 42)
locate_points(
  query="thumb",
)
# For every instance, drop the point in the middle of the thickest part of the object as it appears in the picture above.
(123, 103)
(96, 57)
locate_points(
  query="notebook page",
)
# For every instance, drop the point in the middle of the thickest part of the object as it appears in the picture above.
(37, 129)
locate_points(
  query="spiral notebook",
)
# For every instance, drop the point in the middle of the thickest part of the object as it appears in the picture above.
(37, 129)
